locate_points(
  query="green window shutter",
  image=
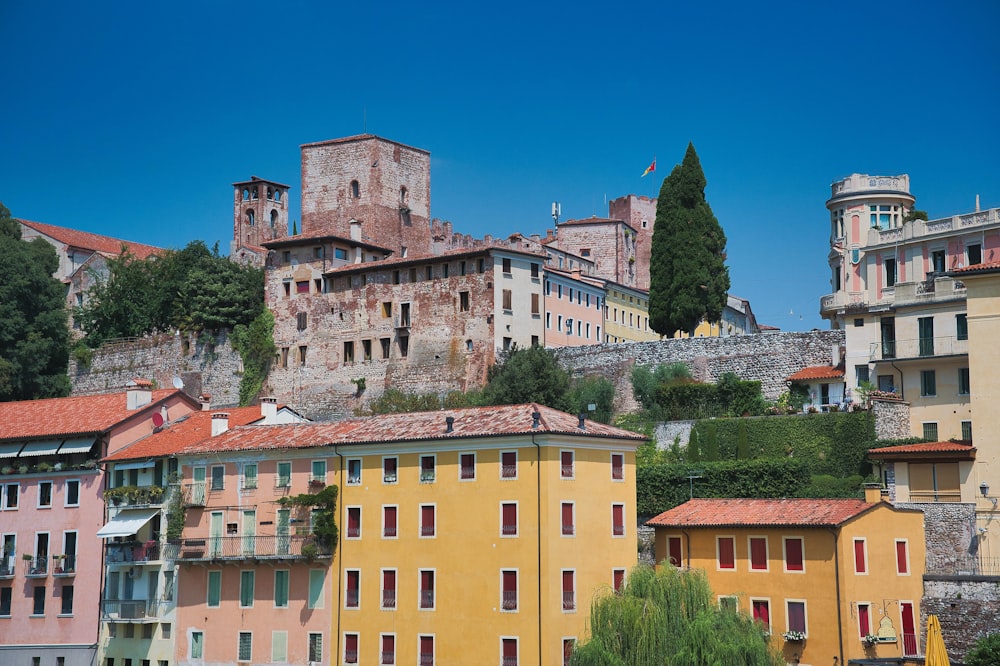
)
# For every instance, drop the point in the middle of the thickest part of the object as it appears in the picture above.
(246, 588)
(214, 588)
(281, 588)
(197, 644)
(316, 578)
(279, 646)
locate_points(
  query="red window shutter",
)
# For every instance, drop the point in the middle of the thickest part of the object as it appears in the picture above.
(354, 521)
(390, 520)
(761, 612)
(758, 553)
(864, 627)
(617, 466)
(901, 560)
(388, 644)
(727, 553)
(860, 566)
(427, 520)
(618, 579)
(793, 554)
(674, 551)
(508, 458)
(427, 581)
(351, 642)
(567, 459)
(390, 466)
(427, 463)
(618, 519)
(389, 581)
(427, 645)
(567, 581)
(567, 518)
(468, 466)
(796, 616)
(353, 580)
(510, 648)
(510, 581)
(509, 519)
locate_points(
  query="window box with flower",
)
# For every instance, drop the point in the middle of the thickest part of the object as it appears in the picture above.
(794, 636)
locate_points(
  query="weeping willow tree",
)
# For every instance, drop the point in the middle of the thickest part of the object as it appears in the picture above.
(669, 617)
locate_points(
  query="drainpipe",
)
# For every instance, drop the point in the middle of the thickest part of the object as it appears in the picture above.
(538, 530)
(687, 540)
(836, 573)
(340, 568)
(902, 395)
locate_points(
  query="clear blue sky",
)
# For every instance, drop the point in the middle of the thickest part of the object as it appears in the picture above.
(132, 119)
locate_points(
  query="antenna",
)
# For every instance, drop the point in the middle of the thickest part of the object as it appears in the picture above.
(556, 211)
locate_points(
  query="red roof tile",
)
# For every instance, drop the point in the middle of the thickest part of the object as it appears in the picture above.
(817, 372)
(962, 450)
(732, 512)
(986, 267)
(27, 419)
(187, 430)
(593, 220)
(88, 241)
(414, 426)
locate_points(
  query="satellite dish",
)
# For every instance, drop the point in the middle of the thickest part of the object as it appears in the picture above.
(178, 383)
(157, 420)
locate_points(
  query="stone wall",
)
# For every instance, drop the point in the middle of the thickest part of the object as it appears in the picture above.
(206, 365)
(767, 358)
(892, 419)
(949, 531)
(967, 606)
(668, 431)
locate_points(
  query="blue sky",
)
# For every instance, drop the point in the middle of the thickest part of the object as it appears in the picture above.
(133, 119)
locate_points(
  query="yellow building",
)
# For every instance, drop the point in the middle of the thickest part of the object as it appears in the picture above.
(737, 319)
(626, 314)
(819, 574)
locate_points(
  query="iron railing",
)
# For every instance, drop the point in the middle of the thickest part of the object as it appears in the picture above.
(388, 598)
(134, 609)
(509, 602)
(910, 645)
(37, 567)
(250, 547)
(149, 551)
(964, 565)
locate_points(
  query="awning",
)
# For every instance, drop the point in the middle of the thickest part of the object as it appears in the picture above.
(77, 445)
(10, 450)
(135, 465)
(47, 448)
(126, 523)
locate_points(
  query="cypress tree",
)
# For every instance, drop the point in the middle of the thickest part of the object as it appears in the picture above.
(688, 277)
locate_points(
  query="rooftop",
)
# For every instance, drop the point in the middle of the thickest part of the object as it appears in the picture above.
(736, 512)
(935, 450)
(817, 372)
(88, 241)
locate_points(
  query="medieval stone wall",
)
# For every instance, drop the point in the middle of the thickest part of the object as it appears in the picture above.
(967, 606)
(892, 419)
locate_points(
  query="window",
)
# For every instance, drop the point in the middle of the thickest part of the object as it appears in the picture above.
(725, 548)
(147, 632)
(67, 601)
(427, 469)
(934, 482)
(39, 600)
(902, 558)
(930, 431)
(218, 477)
(427, 528)
(249, 476)
(568, 590)
(354, 471)
(245, 648)
(463, 301)
(5, 596)
(508, 652)
(385, 344)
(794, 560)
(349, 351)
(389, 466)
(352, 596)
(404, 345)
(963, 381)
(796, 614)
(426, 650)
(302, 355)
(758, 553)
(284, 476)
(617, 466)
(928, 383)
(44, 494)
(861, 374)
(864, 620)
(974, 253)
(10, 494)
(467, 466)
(388, 653)
(967, 431)
(508, 590)
(925, 331)
(534, 270)
(214, 589)
(281, 588)
(761, 610)
(197, 644)
(315, 647)
(340, 253)
(729, 603)
(890, 272)
(247, 580)
(165, 630)
(508, 465)
(507, 299)
(389, 516)
(618, 520)
(354, 522)
(508, 519)
(566, 464)
(355, 189)
(506, 266)
(316, 582)
(567, 519)
(860, 556)
(279, 647)
(284, 357)
(318, 472)
(388, 589)
(427, 589)
(674, 553)
(72, 493)
(301, 321)
(961, 327)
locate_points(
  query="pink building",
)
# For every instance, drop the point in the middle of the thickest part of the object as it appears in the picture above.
(574, 310)
(51, 506)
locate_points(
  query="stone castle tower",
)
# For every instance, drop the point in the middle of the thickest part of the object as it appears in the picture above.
(260, 212)
(640, 214)
(381, 183)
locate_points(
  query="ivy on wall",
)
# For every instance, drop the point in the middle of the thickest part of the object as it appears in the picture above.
(255, 344)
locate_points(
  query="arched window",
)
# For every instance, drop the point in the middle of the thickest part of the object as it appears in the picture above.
(403, 194)
(355, 189)
(246, 194)
(250, 220)
(270, 194)
(274, 218)
(277, 195)
(254, 193)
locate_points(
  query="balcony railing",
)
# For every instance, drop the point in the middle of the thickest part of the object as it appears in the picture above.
(388, 598)
(249, 547)
(64, 566)
(353, 599)
(853, 301)
(388, 657)
(508, 471)
(509, 602)
(567, 471)
(569, 601)
(918, 348)
(964, 566)
(509, 529)
(509, 661)
(37, 567)
(350, 656)
(426, 659)
(7, 569)
(427, 598)
(135, 609)
(936, 288)
(150, 551)
(910, 645)
(194, 493)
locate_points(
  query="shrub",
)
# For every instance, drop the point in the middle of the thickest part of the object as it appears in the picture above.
(986, 651)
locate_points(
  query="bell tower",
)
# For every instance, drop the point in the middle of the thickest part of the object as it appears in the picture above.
(260, 212)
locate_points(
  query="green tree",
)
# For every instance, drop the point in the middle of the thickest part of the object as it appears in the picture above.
(34, 336)
(986, 651)
(255, 343)
(687, 271)
(670, 617)
(530, 374)
(597, 391)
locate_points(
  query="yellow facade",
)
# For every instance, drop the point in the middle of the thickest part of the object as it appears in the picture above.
(832, 594)
(626, 315)
(467, 551)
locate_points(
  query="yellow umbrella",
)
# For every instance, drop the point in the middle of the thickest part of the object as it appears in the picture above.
(936, 653)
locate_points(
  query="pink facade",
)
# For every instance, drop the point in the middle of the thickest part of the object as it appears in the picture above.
(574, 313)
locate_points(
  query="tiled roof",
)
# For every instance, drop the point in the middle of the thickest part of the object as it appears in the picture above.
(187, 430)
(817, 372)
(88, 414)
(312, 238)
(592, 220)
(961, 450)
(987, 267)
(474, 422)
(89, 241)
(761, 512)
(765, 327)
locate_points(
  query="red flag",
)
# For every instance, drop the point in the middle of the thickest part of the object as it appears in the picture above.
(650, 169)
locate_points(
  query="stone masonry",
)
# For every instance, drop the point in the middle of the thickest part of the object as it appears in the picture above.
(640, 214)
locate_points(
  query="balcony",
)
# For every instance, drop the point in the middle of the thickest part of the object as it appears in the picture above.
(64, 566)
(249, 548)
(935, 289)
(37, 567)
(121, 610)
(7, 569)
(151, 551)
(842, 301)
(920, 348)
(966, 565)
(194, 493)
(133, 496)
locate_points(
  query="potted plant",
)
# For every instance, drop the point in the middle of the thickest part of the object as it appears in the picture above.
(6, 469)
(22, 469)
(27, 557)
(794, 636)
(870, 640)
(43, 467)
(59, 563)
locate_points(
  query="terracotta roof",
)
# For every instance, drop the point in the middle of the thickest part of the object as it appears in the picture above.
(475, 422)
(89, 241)
(88, 414)
(986, 267)
(255, 179)
(187, 430)
(733, 512)
(936, 450)
(817, 372)
(765, 327)
(593, 220)
(319, 237)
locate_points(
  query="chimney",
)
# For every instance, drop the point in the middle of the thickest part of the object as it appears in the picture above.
(575, 273)
(355, 229)
(873, 493)
(269, 409)
(449, 423)
(138, 393)
(536, 420)
(835, 355)
(582, 425)
(206, 401)
(220, 423)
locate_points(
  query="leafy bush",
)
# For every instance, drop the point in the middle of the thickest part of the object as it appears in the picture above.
(986, 651)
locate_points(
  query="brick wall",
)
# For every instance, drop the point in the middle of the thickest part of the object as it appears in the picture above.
(640, 213)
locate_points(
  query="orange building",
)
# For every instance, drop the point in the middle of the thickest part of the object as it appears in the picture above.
(820, 575)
